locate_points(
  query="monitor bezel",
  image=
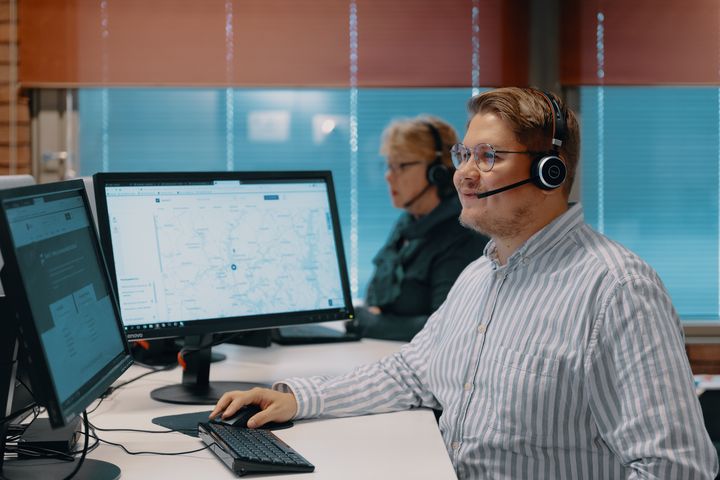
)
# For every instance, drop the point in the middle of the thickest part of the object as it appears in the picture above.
(225, 324)
(22, 323)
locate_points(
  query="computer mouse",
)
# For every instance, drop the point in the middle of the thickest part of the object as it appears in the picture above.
(245, 413)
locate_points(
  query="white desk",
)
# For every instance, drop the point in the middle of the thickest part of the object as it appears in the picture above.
(393, 446)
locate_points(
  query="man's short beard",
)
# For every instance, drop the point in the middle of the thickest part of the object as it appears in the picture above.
(499, 227)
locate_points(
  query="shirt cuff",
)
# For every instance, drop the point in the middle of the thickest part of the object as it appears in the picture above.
(309, 399)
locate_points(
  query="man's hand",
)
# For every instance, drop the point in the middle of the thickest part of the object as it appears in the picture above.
(276, 406)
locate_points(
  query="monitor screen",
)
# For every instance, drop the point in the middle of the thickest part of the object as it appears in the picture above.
(192, 253)
(13, 181)
(57, 282)
(22, 397)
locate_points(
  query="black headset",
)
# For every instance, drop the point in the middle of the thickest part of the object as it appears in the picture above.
(438, 173)
(548, 171)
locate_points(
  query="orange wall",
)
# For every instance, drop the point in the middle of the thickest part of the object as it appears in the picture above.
(646, 42)
(270, 42)
(14, 132)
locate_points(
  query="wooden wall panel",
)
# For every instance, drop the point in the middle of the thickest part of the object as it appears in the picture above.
(14, 110)
(46, 30)
(292, 43)
(646, 42)
(426, 43)
(704, 358)
(183, 42)
(82, 42)
(269, 42)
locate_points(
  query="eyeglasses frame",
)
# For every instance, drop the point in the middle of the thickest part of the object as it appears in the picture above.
(473, 154)
(400, 167)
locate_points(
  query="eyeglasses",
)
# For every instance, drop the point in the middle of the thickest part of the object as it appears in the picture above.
(400, 166)
(483, 153)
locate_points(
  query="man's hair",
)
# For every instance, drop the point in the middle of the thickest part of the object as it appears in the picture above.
(530, 117)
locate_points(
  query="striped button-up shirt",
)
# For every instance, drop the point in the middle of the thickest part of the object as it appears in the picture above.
(567, 362)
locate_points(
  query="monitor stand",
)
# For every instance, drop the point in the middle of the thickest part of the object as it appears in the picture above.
(196, 387)
(32, 469)
(162, 353)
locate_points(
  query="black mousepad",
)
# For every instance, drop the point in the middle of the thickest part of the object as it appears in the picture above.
(187, 422)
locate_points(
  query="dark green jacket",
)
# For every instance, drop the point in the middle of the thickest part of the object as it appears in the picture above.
(415, 270)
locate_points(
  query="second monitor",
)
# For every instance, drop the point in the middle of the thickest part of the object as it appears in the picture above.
(198, 253)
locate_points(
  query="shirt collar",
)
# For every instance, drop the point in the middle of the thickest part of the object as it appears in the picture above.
(544, 239)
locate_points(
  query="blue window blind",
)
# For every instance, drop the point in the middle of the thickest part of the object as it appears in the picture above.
(162, 129)
(650, 163)
(650, 159)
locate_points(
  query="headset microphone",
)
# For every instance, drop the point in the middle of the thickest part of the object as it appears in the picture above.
(502, 189)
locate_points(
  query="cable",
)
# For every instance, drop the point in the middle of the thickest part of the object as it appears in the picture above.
(17, 413)
(86, 424)
(41, 452)
(25, 385)
(112, 388)
(102, 398)
(50, 453)
(15, 430)
(169, 430)
(93, 446)
(151, 453)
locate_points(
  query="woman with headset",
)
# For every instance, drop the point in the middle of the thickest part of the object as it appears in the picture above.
(428, 248)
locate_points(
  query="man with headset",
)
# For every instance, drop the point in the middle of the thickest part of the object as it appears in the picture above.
(557, 354)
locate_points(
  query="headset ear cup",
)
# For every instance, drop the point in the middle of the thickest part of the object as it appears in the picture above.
(439, 175)
(548, 172)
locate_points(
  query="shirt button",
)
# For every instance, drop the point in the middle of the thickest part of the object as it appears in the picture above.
(455, 445)
(467, 386)
(481, 328)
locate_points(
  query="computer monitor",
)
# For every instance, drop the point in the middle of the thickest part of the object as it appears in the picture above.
(21, 398)
(13, 181)
(62, 307)
(194, 254)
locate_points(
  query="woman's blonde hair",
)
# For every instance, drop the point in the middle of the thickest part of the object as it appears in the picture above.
(412, 137)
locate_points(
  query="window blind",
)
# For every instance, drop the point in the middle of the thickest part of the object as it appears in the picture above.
(166, 129)
(650, 163)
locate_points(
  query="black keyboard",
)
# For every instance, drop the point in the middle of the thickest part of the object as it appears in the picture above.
(247, 451)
